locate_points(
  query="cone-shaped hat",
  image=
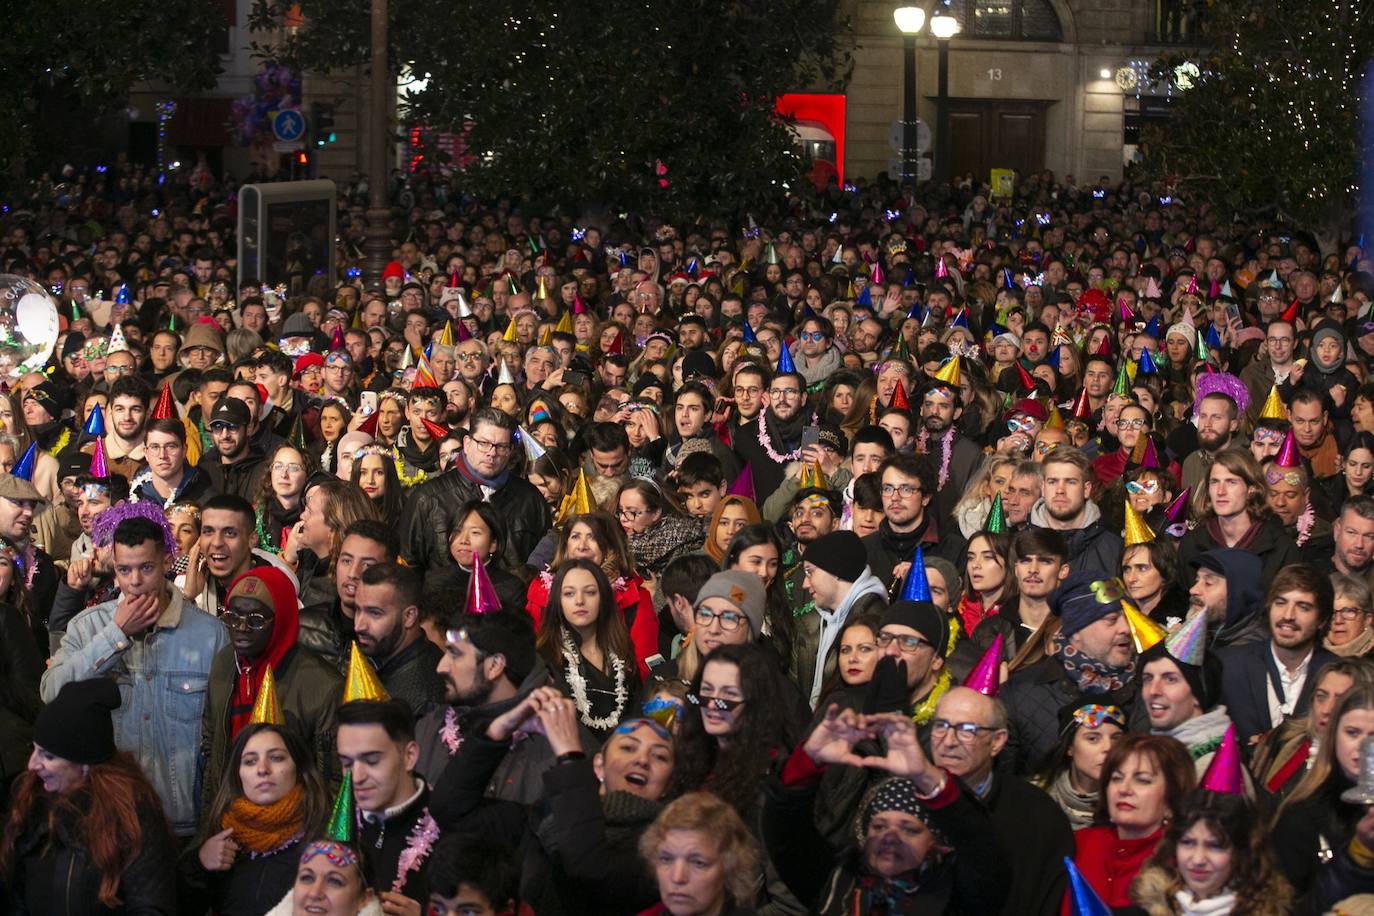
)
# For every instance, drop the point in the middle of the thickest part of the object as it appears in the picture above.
(743, 484)
(579, 501)
(1288, 456)
(564, 325)
(1290, 314)
(341, 824)
(986, 676)
(24, 469)
(95, 423)
(917, 586)
(1145, 633)
(361, 682)
(1146, 365)
(481, 596)
(1083, 900)
(1273, 406)
(533, 450)
(748, 331)
(436, 431)
(1082, 409)
(267, 708)
(509, 335)
(117, 342)
(1024, 377)
(99, 467)
(504, 376)
(1178, 509)
(1123, 378)
(1137, 532)
(996, 522)
(899, 399)
(812, 476)
(1056, 419)
(1223, 774)
(785, 363)
(949, 372)
(164, 409)
(1188, 644)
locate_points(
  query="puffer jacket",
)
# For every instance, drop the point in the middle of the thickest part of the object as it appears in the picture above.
(424, 523)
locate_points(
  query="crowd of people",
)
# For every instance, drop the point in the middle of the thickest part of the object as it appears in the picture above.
(917, 553)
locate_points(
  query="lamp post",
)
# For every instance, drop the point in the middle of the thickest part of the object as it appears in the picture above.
(378, 244)
(909, 21)
(944, 27)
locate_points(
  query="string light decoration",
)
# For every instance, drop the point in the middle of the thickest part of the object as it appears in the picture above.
(165, 108)
(1269, 126)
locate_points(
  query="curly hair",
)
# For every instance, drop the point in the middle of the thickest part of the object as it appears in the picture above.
(705, 813)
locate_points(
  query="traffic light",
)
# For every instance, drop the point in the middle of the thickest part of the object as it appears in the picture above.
(322, 117)
(302, 158)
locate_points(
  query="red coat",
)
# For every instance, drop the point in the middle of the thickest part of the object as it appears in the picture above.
(632, 599)
(1110, 864)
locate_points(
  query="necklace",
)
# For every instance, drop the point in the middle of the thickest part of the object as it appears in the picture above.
(578, 685)
(408, 480)
(766, 442)
(263, 540)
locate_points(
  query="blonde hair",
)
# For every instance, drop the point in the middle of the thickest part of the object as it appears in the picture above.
(705, 813)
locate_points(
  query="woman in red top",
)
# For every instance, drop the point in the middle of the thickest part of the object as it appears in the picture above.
(1143, 783)
(600, 539)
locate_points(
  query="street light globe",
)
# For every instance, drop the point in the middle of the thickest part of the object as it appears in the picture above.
(944, 26)
(909, 19)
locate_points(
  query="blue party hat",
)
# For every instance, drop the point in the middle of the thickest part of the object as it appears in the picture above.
(122, 295)
(24, 469)
(1083, 900)
(1146, 365)
(1052, 358)
(95, 423)
(1007, 281)
(749, 334)
(915, 312)
(1213, 338)
(785, 363)
(960, 320)
(1152, 327)
(864, 297)
(916, 587)
(909, 279)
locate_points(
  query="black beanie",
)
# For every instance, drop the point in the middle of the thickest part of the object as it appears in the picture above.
(1204, 680)
(76, 725)
(839, 553)
(923, 617)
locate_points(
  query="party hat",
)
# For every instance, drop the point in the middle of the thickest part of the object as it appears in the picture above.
(1146, 366)
(509, 335)
(770, 255)
(579, 307)
(1201, 343)
(342, 822)
(95, 423)
(1191, 288)
(533, 450)
(1178, 509)
(464, 310)
(164, 409)
(949, 372)
(877, 275)
(1290, 314)
(437, 431)
(504, 376)
(901, 350)
(542, 292)
(24, 469)
(812, 476)
(1273, 406)
(463, 333)
(369, 426)
(865, 296)
(122, 295)
(1083, 900)
(361, 682)
(1123, 379)
(1337, 295)
(514, 286)
(117, 342)
(1213, 338)
(663, 710)
(267, 708)
(1082, 409)
(785, 363)
(1007, 281)
(1223, 774)
(899, 399)
(1055, 419)
(545, 337)
(960, 320)
(941, 271)
(986, 675)
(564, 325)
(743, 484)
(1144, 631)
(1288, 456)
(996, 521)
(1024, 378)
(748, 331)
(99, 467)
(1123, 310)
(1136, 531)
(481, 596)
(336, 342)
(1104, 347)
(617, 347)
(917, 586)
(579, 501)
(446, 336)
(424, 375)
(849, 293)
(1152, 327)
(1188, 643)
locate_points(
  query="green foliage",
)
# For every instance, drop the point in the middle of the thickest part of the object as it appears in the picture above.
(1271, 126)
(577, 103)
(67, 62)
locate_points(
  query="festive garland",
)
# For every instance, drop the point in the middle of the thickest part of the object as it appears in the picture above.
(60, 443)
(1305, 522)
(926, 709)
(408, 480)
(578, 685)
(767, 444)
(263, 540)
(418, 845)
(947, 443)
(451, 734)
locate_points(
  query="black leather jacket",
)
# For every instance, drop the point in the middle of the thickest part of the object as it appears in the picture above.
(425, 521)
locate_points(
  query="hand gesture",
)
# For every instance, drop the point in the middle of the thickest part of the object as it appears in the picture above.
(136, 613)
(217, 854)
(891, 301)
(904, 756)
(195, 570)
(524, 717)
(833, 740)
(80, 573)
(559, 721)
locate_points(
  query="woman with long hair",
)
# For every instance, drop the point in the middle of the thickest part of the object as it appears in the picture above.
(250, 842)
(477, 530)
(986, 484)
(281, 495)
(45, 474)
(1150, 573)
(1144, 780)
(703, 858)
(553, 475)
(731, 514)
(374, 472)
(335, 417)
(657, 530)
(856, 658)
(1215, 859)
(757, 549)
(1357, 472)
(989, 581)
(85, 833)
(1072, 772)
(583, 639)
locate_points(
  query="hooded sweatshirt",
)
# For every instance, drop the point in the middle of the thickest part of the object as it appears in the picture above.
(1243, 623)
(832, 622)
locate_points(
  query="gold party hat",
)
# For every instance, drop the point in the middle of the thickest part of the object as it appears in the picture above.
(266, 708)
(362, 683)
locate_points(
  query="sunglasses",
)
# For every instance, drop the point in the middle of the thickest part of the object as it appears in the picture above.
(1268, 435)
(1142, 487)
(1020, 425)
(718, 703)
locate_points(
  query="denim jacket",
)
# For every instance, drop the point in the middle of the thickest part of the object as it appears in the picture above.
(162, 675)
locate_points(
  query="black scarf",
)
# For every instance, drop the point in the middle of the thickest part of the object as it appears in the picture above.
(785, 434)
(902, 545)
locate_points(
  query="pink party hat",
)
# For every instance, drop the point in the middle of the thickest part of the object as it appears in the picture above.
(1124, 310)
(941, 271)
(1177, 512)
(1288, 452)
(98, 466)
(986, 675)
(1223, 774)
(1188, 643)
(481, 597)
(743, 484)
(1149, 459)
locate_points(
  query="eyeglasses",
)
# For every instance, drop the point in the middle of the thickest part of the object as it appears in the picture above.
(470, 357)
(719, 703)
(1130, 424)
(1350, 613)
(729, 620)
(235, 621)
(815, 337)
(499, 448)
(752, 391)
(784, 392)
(1142, 487)
(1021, 425)
(909, 645)
(118, 370)
(291, 467)
(629, 515)
(907, 490)
(964, 732)
(160, 449)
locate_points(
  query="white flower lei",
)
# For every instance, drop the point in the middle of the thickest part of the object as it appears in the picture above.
(578, 685)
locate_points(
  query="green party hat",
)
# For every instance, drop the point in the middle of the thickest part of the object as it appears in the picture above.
(341, 823)
(1123, 380)
(996, 522)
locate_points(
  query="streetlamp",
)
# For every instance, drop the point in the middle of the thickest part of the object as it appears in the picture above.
(378, 244)
(909, 19)
(944, 27)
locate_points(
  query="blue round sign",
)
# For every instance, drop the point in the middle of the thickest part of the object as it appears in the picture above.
(288, 125)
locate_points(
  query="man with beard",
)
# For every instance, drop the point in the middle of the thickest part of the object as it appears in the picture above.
(1288, 492)
(956, 457)
(1353, 534)
(1041, 564)
(813, 513)
(1022, 493)
(1264, 683)
(1227, 588)
(1314, 432)
(775, 438)
(260, 434)
(328, 628)
(751, 381)
(1067, 508)
(416, 445)
(224, 551)
(261, 616)
(127, 413)
(908, 489)
(459, 398)
(472, 361)
(233, 465)
(1217, 421)
(387, 624)
(273, 371)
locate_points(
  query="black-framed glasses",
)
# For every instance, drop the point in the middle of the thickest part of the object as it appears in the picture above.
(729, 620)
(720, 704)
(964, 732)
(908, 644)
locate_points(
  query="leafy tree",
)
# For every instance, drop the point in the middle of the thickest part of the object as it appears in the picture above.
(663, 104)
(1270, 125)
(68, 62)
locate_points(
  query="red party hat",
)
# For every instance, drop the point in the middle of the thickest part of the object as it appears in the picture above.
(164, 409)
(1290, 314)
(899, 399)
(436, 431)
(1027, 383)
(1288, 456)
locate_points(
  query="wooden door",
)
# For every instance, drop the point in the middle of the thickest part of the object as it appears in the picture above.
(996, 134)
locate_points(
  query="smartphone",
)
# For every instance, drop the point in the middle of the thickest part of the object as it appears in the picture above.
(811, 435)
(573, 377)
(368, 402)
(722, 405)
(1232, 311)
